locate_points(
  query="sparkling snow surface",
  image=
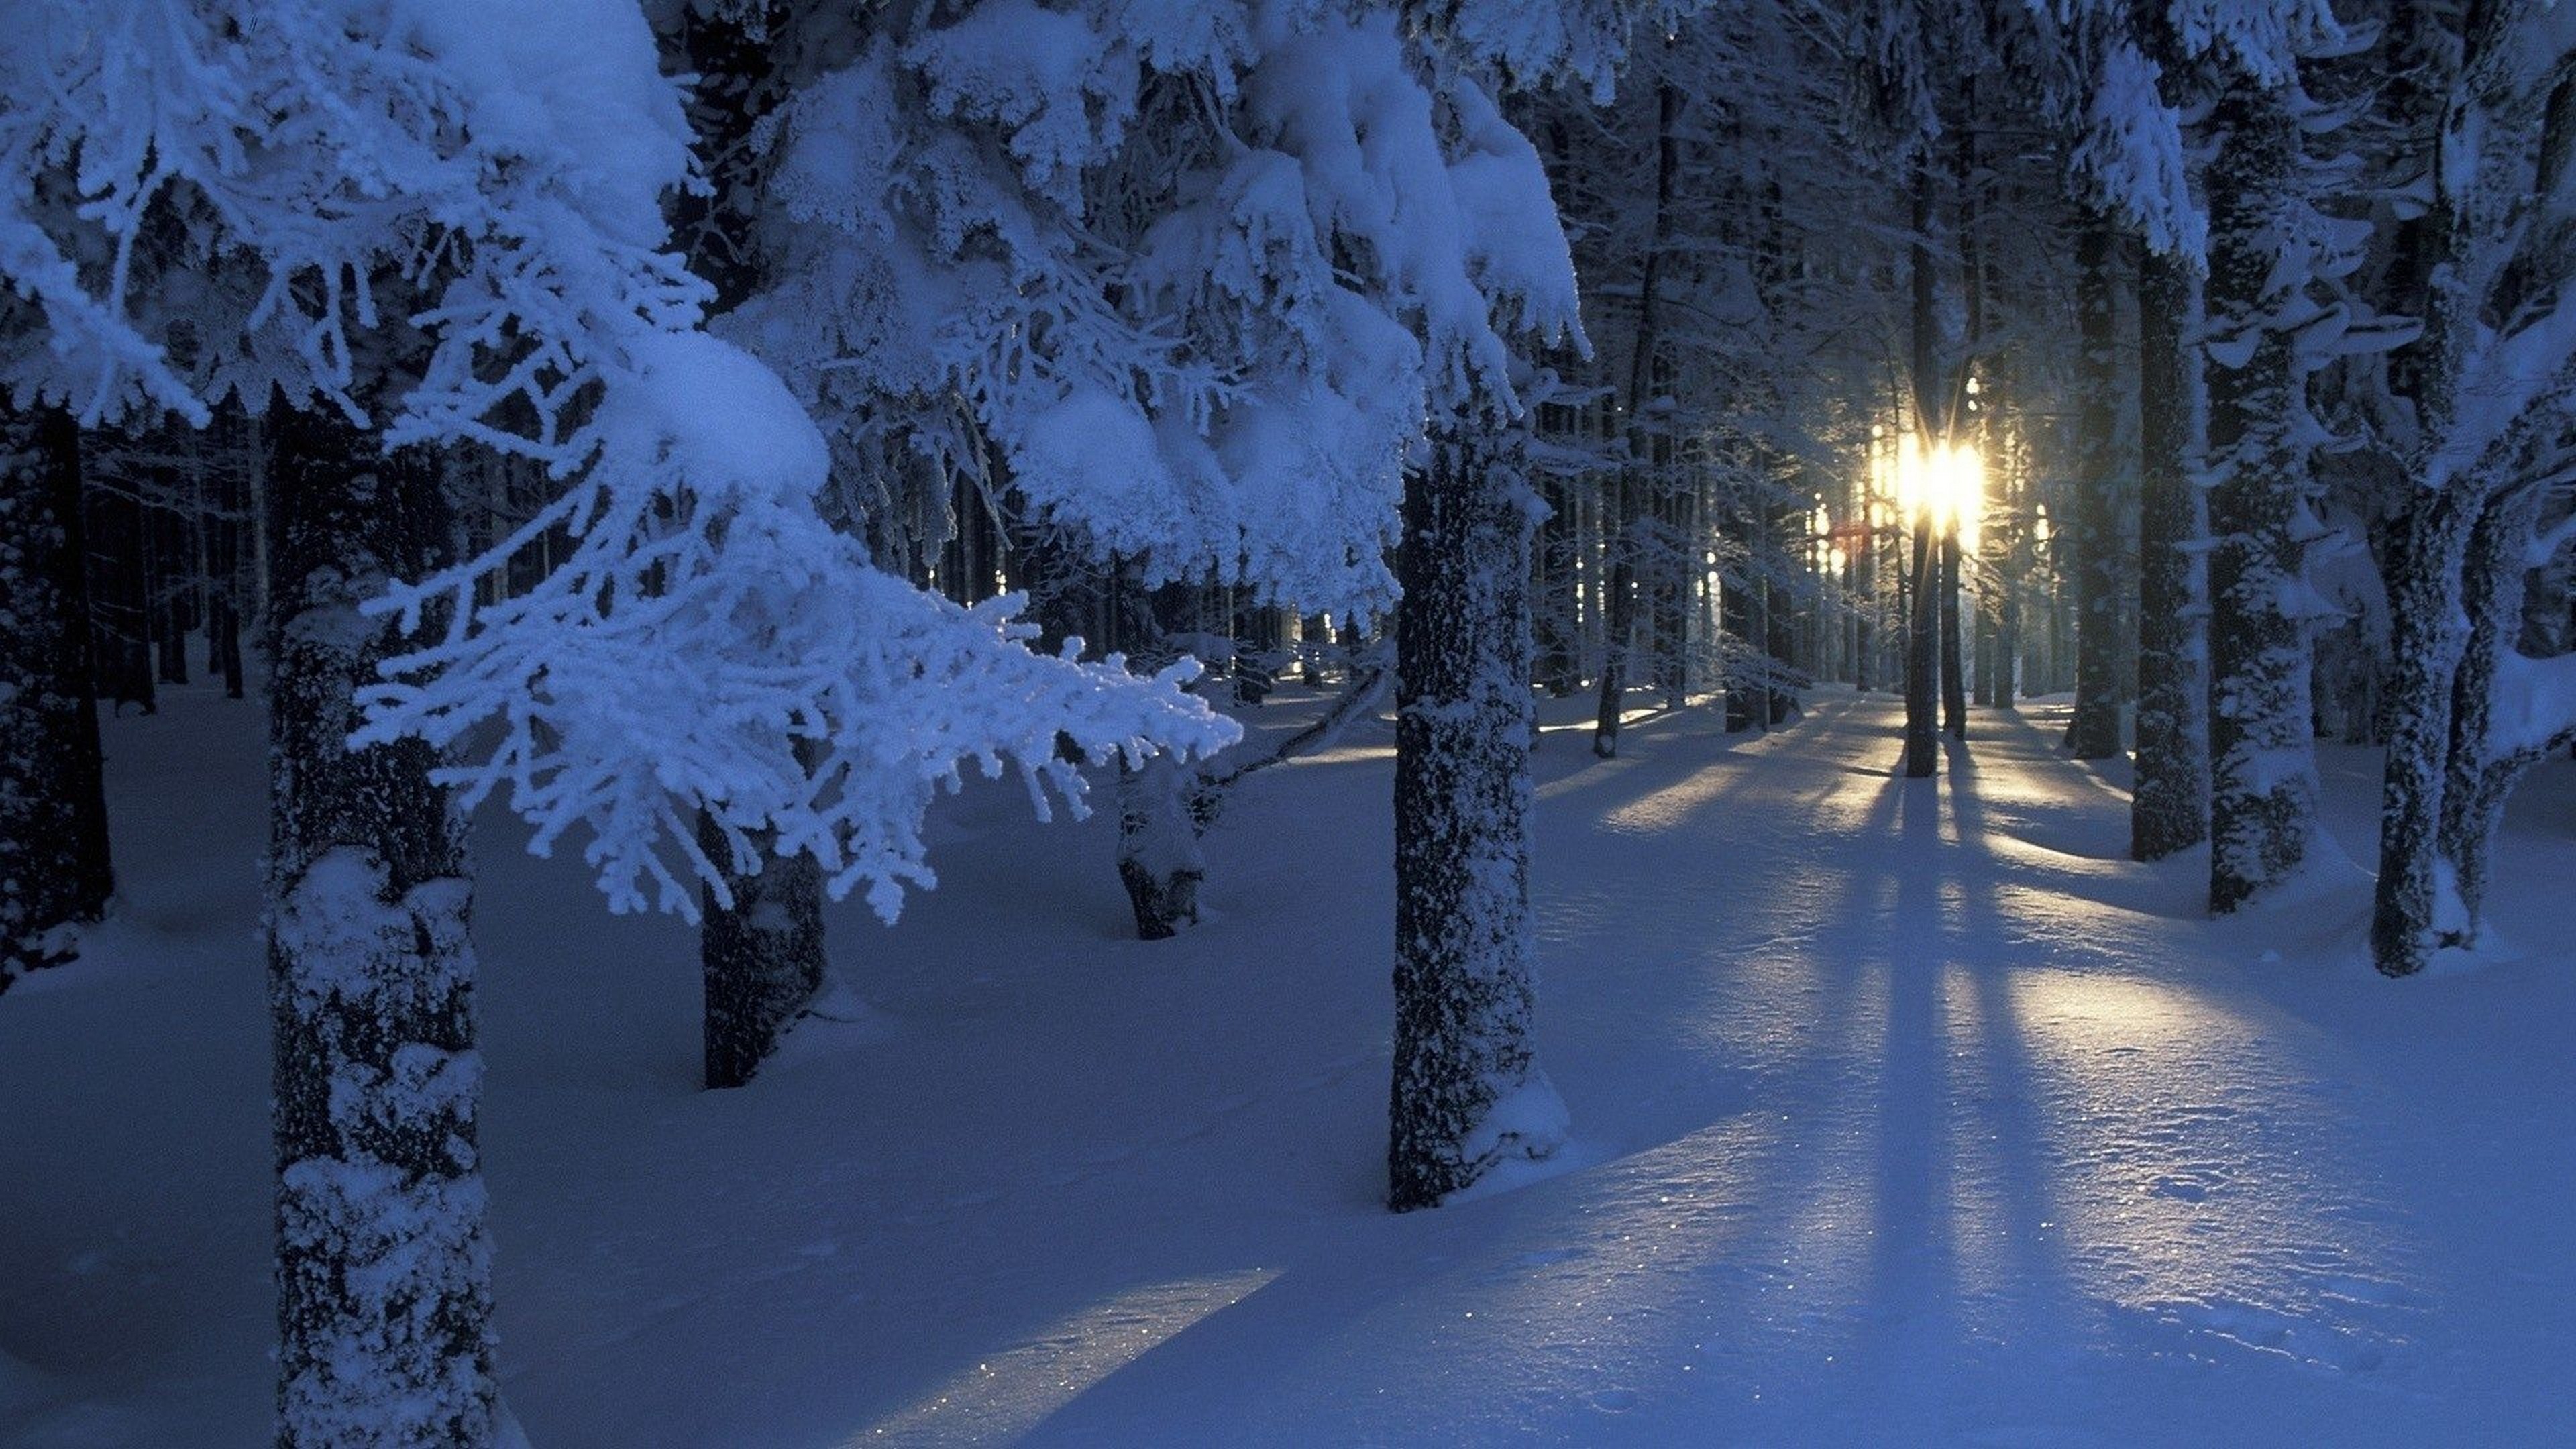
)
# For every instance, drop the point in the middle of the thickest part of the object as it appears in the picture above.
(1904, 1113)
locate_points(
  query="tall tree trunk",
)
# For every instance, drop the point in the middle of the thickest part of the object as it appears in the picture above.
(1931, 419)
(2169, 809)
(383, 1263)
(2094, 733)
(2477, 776)
(1466, 1094)
(54, 868)
(2427, 550)
(1954, 686)
(2262, 737)
(1922, 660)
(2434, 700)
(1632, 486)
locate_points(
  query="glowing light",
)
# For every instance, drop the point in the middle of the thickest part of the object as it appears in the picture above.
(1013, 1390)
(1942, 483)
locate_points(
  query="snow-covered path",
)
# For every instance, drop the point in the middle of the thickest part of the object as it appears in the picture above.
(1907, 1112)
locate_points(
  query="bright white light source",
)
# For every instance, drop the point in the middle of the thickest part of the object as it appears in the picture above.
(1944, 482)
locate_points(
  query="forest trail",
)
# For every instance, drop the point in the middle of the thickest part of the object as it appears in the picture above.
(1905, 1112)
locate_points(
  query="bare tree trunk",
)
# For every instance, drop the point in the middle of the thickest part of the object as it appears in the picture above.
(54, 869)
(383, 1262)
(1466, 1094)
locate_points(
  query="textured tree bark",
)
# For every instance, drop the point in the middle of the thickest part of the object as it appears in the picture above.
(2169, 809)
(383, 1263)
(762, 958)
(1954, 685)
(1931, 422)
(1466, 1095)
(54, 868)
(2476, 775)
(2094, 733)
(2442, 560)
(2262, 743)
(2427, 551)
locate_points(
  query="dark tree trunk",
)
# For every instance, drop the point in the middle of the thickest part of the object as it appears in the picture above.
(2435, 697)
(2478, 776)
(383, 1264)
(1557, 604)
(1931, 422)
(2262, 735)
(121, 599)
(1466, 1094)
(762, 958)
(1954, 685)
(2169, 810)
(54, 868)
(1922, 658)
(1629, 518)
(2427, 549)
(2094, 733)
(1864, 601)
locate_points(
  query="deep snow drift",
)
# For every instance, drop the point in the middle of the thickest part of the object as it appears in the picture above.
(1904, 1112)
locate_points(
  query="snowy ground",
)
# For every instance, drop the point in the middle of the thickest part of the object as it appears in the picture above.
(1905, 1115)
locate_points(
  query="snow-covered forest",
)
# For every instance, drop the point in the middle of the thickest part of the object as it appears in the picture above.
(1301, 722)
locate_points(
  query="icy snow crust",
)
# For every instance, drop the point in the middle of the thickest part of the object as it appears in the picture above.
(1904, 1115)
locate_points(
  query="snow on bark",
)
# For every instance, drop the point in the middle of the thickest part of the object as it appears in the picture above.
(2169, 809)
(54, 868)
(2263, 755)
(1159, 860)
(2485, 398)
(2094, 732)
(1466, 1094)
(384, 1279)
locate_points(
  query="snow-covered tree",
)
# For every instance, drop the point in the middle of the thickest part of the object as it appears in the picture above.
(2267, 332)
(447, 217)
(2485, 399)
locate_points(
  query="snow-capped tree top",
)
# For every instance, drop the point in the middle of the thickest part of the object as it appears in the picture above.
(2262, 39)
(1200, 272)
(2128, 156)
